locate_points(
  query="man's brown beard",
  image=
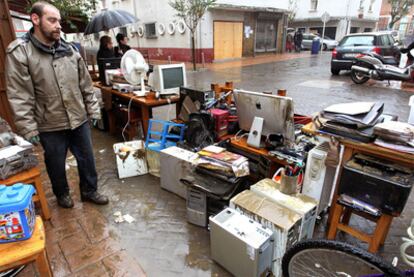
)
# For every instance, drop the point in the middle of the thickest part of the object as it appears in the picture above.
(47, 35)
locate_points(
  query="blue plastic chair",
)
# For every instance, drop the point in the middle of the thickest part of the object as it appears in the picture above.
(164, 138)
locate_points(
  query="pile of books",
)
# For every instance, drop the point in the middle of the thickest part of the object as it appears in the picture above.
(222, 161)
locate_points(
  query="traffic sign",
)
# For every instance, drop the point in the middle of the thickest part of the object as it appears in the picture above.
(325, 17)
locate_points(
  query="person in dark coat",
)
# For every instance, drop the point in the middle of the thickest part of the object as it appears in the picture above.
(122, 45)
(298, 40)
(106, 49)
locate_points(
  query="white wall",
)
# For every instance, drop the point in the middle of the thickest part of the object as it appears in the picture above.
(338, 8)
(159, 11)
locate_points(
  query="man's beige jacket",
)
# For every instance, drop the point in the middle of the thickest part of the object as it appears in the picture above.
(48, 91)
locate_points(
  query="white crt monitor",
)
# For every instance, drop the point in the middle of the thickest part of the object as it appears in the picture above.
(168, 78)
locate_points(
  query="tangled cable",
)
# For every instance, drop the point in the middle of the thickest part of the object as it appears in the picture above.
(408, 242)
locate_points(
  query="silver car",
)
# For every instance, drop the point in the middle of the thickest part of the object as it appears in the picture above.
(328, 43)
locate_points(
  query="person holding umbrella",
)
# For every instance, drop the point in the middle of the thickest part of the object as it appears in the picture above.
(52, 98)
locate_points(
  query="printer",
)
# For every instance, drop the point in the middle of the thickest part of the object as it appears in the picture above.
(382, 184)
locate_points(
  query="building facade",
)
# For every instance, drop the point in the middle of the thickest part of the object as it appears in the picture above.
(231, 29)
(348, 16)
(405, 26)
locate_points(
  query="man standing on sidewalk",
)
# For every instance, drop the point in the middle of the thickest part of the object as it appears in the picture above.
(51, 95)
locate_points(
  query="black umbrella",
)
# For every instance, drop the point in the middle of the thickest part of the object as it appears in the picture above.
(109, 19)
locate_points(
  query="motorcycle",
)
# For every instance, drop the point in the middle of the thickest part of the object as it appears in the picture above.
(370, 65)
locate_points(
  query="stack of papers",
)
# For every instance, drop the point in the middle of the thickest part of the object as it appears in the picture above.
(219, 159)
(395, 135)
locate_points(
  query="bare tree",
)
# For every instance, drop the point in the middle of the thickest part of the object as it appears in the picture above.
(191, 11)
(292, 9)
(399, 9)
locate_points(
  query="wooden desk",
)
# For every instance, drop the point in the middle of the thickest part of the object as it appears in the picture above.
(383, 223)
(144, 104)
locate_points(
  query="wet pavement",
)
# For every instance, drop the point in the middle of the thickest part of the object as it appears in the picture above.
(85, 241)
(308, 81)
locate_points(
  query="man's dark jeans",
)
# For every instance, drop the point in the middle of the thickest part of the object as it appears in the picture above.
(56, 145)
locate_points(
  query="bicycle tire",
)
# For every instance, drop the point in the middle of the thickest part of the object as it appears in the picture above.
(302, 260)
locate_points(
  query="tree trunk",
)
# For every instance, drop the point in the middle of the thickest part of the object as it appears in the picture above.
(193, 52)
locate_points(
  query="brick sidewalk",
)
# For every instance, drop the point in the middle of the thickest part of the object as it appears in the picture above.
(79, 241)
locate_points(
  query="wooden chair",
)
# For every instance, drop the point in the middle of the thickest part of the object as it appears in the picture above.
(31, 176)
(340, 221)
(19, 253)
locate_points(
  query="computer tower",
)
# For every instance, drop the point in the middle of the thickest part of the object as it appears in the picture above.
(240, 244)
(301, 204)
(175, 164)
(284, 223)
(319, 178)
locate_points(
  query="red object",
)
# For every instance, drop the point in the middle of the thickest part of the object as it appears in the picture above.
(220, 121)
(334, 53)
(377, 50)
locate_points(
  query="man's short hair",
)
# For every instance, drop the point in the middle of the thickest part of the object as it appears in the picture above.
(39, 6)
(119, 37)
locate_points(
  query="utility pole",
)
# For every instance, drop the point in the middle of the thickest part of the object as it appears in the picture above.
(348, 20)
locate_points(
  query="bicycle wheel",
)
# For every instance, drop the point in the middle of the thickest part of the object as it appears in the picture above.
(332, 258)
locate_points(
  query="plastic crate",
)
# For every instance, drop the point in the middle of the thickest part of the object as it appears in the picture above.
(17, 214)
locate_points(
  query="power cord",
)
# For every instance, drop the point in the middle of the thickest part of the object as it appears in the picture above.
(238, 138)
(129, 115)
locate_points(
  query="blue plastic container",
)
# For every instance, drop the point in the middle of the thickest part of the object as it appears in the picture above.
(316, 45)
(17, 214)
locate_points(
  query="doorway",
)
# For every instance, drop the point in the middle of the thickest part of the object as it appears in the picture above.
(266, 34)
(228, 40)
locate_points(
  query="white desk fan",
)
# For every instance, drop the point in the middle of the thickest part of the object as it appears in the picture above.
(134, 68)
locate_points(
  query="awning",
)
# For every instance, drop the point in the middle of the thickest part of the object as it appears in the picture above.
(231, 7)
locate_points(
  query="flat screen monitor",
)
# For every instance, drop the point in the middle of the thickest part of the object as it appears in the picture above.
(107, 63)
(277, 112)
(167, 79)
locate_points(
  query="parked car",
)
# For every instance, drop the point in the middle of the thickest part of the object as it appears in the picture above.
(351, 45)
(328, 43)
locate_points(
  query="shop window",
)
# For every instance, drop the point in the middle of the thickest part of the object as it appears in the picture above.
(123, 30)
(150, 30)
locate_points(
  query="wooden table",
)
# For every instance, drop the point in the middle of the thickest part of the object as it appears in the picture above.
(31, 176)
(383, 222)
(144, 104)
(254, 153)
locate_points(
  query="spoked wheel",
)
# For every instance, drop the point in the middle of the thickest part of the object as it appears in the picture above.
(358, 77)
(324, 258)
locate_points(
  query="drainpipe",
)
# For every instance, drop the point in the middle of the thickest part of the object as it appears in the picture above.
(134, 2)
(284, 20)
(348, 20)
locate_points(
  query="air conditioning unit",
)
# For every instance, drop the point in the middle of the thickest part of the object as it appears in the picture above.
(319, 179)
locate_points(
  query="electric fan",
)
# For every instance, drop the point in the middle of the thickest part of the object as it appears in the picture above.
(134, 69)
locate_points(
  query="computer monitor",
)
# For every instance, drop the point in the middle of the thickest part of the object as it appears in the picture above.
(167, 79)
(277, 112)
(107, 63)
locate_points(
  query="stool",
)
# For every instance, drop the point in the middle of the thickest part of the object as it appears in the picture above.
(165, 139)
(19, 253)
(31, 176)
(340, 221)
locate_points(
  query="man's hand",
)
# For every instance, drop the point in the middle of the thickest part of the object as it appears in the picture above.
(34, 140)
(94, 122)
